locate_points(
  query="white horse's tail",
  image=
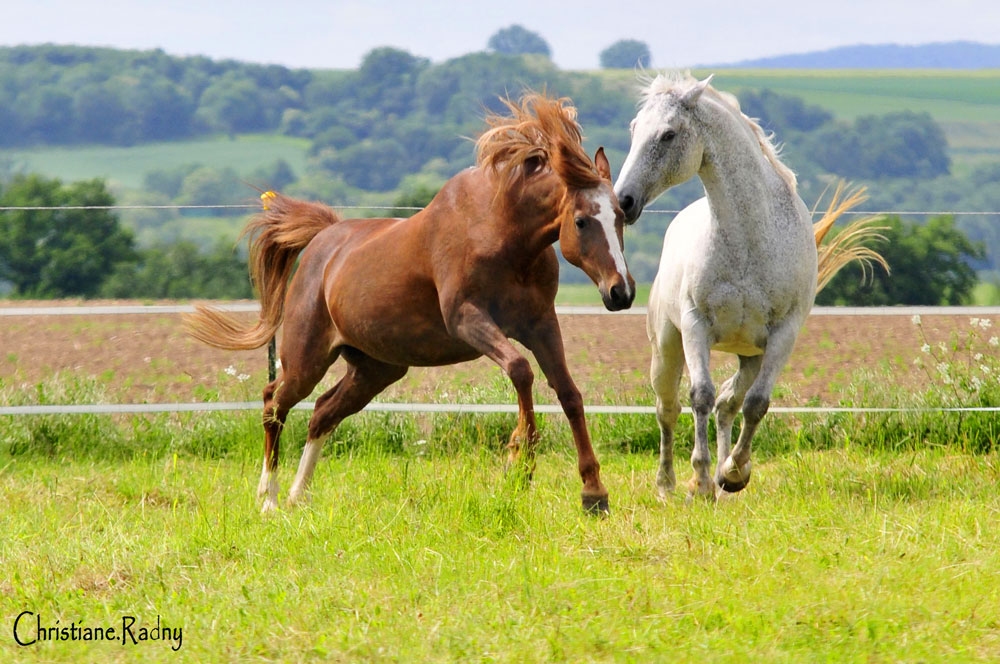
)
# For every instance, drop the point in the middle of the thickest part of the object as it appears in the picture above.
(847, 245)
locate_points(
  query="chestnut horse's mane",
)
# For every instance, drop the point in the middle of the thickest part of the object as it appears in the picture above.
(538, 127)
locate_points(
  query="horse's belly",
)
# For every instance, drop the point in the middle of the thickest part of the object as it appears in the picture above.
(738, 347)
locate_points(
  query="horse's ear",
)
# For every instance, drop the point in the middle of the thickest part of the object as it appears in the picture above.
(601, 161)
(691, 97)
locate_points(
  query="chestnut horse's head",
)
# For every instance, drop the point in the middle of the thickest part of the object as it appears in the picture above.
(537, 152)
(590, 237)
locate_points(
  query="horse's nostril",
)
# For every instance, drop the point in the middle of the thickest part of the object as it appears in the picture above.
(617, 293)
(627, 202)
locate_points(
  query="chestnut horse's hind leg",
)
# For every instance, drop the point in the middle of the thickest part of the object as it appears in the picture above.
(546, 344)
(365, 378)
(292, 386)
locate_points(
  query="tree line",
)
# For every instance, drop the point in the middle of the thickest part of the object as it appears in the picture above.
(392, 130)
(87, 253)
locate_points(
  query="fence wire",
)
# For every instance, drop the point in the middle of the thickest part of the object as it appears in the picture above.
(409, 208)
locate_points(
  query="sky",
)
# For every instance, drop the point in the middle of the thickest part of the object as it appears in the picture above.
(337, 34)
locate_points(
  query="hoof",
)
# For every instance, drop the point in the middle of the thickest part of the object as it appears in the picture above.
(269, 507)
(297, 498)
(702, 490)
(665, 483)
(596, 505)
(733, 487)
(732, 479)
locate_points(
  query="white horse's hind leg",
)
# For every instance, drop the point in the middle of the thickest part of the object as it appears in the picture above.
(665, 372)
(728, 404)
(734, 472)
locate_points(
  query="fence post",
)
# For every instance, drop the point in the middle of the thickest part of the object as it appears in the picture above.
(272, 355)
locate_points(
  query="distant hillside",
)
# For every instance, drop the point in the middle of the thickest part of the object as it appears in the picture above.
(945, 55)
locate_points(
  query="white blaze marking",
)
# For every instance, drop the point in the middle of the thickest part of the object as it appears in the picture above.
(606, 216)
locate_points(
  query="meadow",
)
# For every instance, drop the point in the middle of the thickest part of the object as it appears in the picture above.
(963, 102)
(861, 538)
(126, 166)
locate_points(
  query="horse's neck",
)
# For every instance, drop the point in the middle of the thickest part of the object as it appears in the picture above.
(532, 224)
(742, 186)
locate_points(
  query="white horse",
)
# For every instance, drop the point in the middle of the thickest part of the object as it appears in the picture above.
(739, 267)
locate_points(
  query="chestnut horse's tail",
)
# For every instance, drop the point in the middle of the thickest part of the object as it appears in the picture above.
(847, 245)
(280, 232)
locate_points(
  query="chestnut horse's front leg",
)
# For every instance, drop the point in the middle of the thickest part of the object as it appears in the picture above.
(477, 328)
(545, 341)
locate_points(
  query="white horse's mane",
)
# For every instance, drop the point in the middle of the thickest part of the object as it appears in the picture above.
(678, 81)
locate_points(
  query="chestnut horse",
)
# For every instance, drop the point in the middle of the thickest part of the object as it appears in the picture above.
(451, 283)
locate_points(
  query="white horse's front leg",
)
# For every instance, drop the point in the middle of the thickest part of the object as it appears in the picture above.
(665, 371)
(734, 472)
(727, 405)
(697, 353)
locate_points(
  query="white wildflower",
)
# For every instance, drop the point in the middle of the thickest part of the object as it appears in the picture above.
(994, 341)
(942, 347)
(976, 383)
(243, 377)
(985, 323)
(985, 369)
(973, 322)
(977, 357)
(916, 319)
(230, 370)
(946, 380)
(277, 364)
(943, 367)
(926, 348)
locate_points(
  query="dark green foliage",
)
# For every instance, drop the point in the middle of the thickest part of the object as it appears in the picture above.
(626, 54)
(209, 186)
(181, 270)
(277, 176)
(518, 40)
(782, 114)
(59, 253)
(168, 181)
(894, 145)
(929, 263)
(376, 165)
(72, 94)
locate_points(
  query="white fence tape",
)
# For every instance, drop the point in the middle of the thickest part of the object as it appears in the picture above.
(249, 307)
(474, 408)
(252, 307)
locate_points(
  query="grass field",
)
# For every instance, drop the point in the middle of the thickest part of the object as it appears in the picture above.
(860, 539)
(417, 547)
(126, 166)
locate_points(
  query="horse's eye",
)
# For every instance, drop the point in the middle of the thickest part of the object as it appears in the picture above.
(580, 222)
(668, 135)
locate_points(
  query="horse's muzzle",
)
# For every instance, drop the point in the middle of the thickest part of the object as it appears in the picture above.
(631, 206)
(618, 297)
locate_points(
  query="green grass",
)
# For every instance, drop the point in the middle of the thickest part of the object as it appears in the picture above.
(868, 539)
(429, 555)
(588, 295)
(126, 166)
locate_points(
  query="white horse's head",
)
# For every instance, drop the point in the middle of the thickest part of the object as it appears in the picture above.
(667, 143)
